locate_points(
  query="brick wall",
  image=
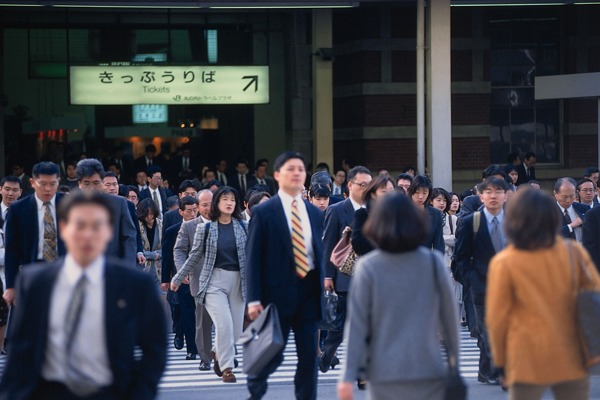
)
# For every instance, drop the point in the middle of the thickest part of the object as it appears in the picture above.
(470, 109)
(470, 153)
(581, 151)
(392, 154)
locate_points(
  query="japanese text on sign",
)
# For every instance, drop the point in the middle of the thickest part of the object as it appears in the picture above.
(112, 85)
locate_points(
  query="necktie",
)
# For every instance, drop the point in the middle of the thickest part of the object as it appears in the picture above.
(185, 163)
(149, 162)
(568, 220)
(298, 245)
(77, 381)
(262, 182)
(155, 198)
(495, 235)
(49, 248)
(243, 183)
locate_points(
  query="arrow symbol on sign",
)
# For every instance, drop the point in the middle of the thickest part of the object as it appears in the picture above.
(253, 80)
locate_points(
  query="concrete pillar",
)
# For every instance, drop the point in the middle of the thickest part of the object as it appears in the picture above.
(322, 90)
(439, 126)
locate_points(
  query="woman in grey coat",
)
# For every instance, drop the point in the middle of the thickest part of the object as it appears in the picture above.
(221, 248)
(400, 297)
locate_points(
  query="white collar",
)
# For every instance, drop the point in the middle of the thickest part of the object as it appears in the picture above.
(490, 217)
(287, 199)
(355, 205)
(40, 203)
(94, 272)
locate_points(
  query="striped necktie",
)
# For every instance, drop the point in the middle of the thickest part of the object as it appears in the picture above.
(49, 249)
(299, 247)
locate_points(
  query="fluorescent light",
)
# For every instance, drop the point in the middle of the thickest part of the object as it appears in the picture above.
(276, 7)
(123, 6)
(506, 4)
(20, 5)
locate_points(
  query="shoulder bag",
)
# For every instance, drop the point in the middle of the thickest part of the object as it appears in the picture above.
(343, 255)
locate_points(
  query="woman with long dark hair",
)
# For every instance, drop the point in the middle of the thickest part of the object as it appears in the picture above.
(151, 232)
(419, 192)
(222, 287)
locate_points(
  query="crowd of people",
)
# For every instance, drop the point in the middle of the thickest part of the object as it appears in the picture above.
(227, 245)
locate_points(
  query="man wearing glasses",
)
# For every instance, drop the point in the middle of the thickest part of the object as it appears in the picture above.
(573, 213)
(155, 191)
(31, 229)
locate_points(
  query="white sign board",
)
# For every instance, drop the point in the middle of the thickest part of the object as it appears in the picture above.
(113, 85)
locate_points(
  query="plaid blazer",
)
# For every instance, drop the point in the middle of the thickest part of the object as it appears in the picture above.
(240, 229)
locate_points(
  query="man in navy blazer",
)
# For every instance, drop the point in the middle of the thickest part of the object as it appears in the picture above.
(155, 179)
(25, 226)
(272, 274)
(187, 188)
(473, 252)
(117, 313)
(337, 217)
(573, 213)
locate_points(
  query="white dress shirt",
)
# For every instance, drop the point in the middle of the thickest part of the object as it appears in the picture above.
(4, 208)
(222, 177)
(41, 210)
(573, 215)
(89, 344)
(337, 190)
(286, 201)
(160, 206)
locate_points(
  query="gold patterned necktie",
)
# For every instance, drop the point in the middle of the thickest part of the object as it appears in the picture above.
(298, 245)
(49, 249)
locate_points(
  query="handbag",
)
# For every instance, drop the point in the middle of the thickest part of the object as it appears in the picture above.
(587, 311)
(343, 255)
(262, 341)
(455, 387)
(332, 314)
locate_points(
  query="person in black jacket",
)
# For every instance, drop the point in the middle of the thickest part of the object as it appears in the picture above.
(420, 192)
(379, 186)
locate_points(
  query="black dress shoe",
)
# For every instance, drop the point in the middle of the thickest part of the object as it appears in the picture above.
(323, 366)
(190, 356)
(178, 342)
(361, 384)
(486, 379)
(335, 362)
(204, 366)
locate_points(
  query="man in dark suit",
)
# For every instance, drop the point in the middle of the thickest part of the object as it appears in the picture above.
(182, 167)
(283, 267)
(155, 191)
(591, 235)
(182, 303)
(80, 318)
(337, 217)
(527, 169)
(573, 213)
(473, 253)
(124, 164)
(242, 180)
(31, 229)
(261, 178)
(187, 188)
(124, 240)
(149, 159)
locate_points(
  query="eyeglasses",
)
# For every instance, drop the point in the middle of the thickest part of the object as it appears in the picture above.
(46, 184)
(587, 190)
(362, 185)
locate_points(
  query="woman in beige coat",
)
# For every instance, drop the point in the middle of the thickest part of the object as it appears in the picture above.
(530, 303)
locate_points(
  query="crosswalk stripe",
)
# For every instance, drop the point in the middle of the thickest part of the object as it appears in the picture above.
(181, 373)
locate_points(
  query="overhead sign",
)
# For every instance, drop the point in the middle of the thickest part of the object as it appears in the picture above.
(114, 85)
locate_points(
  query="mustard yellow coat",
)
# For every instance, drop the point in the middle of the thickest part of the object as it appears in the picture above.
(530, 313)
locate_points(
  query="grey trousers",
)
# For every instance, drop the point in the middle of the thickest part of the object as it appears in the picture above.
(426, 389)
(225, 305)
(567, 390)
(203, 337)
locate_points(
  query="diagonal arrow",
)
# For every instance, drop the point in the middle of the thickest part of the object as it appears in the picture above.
(253, 79)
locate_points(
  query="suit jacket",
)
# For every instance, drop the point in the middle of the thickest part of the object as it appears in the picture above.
(234, 182)
(581, 210)
(435, 233)
(270, 269)
(523, 178)
(145, 194)
(337, 218)
(139, 164)
(469, 205)
(124, 244)
(168, 243)
(134, 219)
(131, 320)
(176, 172)
(170, 218)
(22, 236)
(270, 183)
(473, 258)
(183, 246)
(591, 235)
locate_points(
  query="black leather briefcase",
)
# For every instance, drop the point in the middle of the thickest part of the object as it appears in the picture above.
(262, 340)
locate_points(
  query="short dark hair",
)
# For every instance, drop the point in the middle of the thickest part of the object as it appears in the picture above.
(207, 170)
(405, 177)
(110, 175)
(215, 213)
(144, 207)
(254, 189)
(188, 183)
(378, 182)
(359, 169)
(508, 168)
(512, 157)
(88, 167)
(318, 190)
(256, 198)
(492, 182)
(408, 168)
(172, 201)
(529, 154)
(491, 170)
(322, 165)
(285, 157)
(561, 181)
(45, 168)
(214, 182)
(396, 224)
(532, 220)
(153, 169)
(441, 191)
(589, 171)
(420, 181)
(242, 161)
(82, 198)
(150, 148)
(582, 181)
(12, 179)
(186, 201)
(131, 188)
